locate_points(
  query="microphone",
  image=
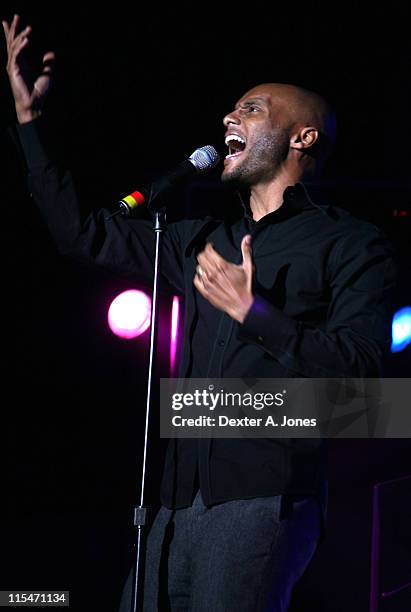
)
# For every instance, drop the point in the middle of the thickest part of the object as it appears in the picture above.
(199, 162)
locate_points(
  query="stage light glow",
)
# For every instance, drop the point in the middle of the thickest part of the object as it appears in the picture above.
(175, 317)
(401, 329)
(129, 314)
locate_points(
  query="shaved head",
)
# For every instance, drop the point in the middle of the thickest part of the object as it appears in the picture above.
(304, 107)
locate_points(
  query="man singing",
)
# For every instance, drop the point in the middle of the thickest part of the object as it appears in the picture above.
(290, 289)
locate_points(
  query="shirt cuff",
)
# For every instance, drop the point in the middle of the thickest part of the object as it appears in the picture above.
(31, 138)
(266, 326)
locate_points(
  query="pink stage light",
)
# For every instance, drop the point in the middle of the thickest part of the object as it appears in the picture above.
(129, 314)
(175, 316)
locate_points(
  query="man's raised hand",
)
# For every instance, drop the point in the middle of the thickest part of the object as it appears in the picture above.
(29, 89)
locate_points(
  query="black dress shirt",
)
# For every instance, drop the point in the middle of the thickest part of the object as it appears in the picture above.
(322, 287)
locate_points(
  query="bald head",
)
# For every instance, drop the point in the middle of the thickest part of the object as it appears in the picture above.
(303, 108)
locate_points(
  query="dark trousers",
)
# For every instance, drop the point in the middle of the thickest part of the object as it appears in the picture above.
(237, 556)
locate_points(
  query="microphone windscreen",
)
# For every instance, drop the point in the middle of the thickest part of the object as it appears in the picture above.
(204, 158)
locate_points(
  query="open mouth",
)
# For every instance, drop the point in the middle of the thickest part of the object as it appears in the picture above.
(236, 145)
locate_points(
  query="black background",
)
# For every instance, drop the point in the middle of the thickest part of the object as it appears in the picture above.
(136, 90)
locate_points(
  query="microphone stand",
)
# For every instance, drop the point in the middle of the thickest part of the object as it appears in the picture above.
(141, 511)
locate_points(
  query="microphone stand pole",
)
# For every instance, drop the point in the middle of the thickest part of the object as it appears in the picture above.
(141, 511)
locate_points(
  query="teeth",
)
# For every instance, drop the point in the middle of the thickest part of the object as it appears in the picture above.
(233, 155)
(231, 137)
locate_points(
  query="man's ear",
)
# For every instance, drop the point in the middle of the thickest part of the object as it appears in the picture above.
(305, 138)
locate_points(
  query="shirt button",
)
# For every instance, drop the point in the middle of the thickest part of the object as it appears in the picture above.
(221, 343)
(260, 339)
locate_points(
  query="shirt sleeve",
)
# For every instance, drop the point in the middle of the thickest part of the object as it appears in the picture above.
(124, 246)
(356, 333)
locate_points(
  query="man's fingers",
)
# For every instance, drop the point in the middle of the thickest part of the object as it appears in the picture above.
(246, 251)
(199, 285)
(6, 28)
(23, 34)
(204, 278)
(16, 51)
(199, 271)
(13, 27)
(48, 62)
(49, 57)
(17, 45)
(205, 263)
(211, 261)
(213, 255)
(209, 271)
(10, 33)
(211, 293)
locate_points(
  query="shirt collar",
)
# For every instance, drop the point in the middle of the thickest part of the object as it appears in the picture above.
(295, 199)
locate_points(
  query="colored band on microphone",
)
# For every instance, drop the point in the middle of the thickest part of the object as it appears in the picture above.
(133, 200)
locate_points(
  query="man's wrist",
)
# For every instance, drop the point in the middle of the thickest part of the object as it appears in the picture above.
(239, 314)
